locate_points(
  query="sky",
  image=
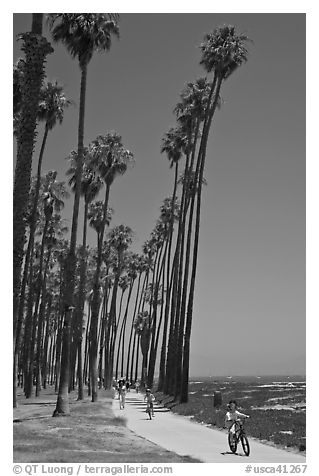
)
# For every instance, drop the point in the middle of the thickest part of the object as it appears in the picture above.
(250, 298)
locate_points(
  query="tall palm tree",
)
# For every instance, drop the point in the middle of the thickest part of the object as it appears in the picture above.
(173, 144)
(120, 239)
(111, 159)
(125, 283)
(223, 51)
(91, 185)
(54, 194)
(99, 218)
(190, 114)
(132, 273)
(142, 326)
(51, 107)
(82, 34)
(35, 48)
(53, 233)
(143, 267)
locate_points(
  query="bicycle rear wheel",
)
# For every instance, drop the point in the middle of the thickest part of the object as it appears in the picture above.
(245, 444)
(232, 442)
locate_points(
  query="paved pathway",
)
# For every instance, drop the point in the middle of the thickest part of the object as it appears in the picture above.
(185, 437)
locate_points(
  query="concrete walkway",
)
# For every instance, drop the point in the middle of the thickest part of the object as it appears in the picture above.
(185, 437)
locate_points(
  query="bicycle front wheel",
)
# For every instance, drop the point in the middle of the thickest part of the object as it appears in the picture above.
(232, 442)
(245, 445)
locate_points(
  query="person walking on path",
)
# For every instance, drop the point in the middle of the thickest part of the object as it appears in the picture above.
(122, 394)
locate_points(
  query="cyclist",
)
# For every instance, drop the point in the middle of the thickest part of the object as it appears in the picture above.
(233, 415)
(149, 397)
(122, 393)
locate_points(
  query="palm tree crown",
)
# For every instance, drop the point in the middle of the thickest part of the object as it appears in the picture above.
(91, 183)
(52, 104)
(174, 144)
(109, 156)
(84, 33)
(223, 51)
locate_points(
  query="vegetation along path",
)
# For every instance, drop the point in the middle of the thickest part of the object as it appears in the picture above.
(185, 437)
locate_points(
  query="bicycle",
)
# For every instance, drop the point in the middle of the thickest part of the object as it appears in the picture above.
(149, 410)
(238, 435)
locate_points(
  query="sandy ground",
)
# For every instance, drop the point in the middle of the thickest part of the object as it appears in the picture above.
(181, 435)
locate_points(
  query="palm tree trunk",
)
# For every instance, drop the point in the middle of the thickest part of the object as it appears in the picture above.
(102, 339)
(116, 330)
(36, 48)
(62, 404)
(87, 346)
(156, 330)
(132, 327)
(33, 222)
(136, 335)
(50, 358)
(137, 358)
(185, 369)
(171, 350)
(45, 355)
(168, 291)
(159, 328)
(80, 304)
(185, 273)
(113, 329)
(95, 304)
(58, 345)
(41, 326)
(121, 343)
(37, 21)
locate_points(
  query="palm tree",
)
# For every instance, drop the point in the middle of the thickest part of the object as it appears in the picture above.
(160, 235)
(18, 75)
(174, 145)
(142, 326)
(50, 110)
(99, 217)
(223, 51)
(35, 48)
(190, 112)
(143, 267)
(51, 236)
(111, 159)
(52, 199)
(61, 256)
(91, 185)
(120, 239)
(133, 269)
(82, 34)
(124, 283)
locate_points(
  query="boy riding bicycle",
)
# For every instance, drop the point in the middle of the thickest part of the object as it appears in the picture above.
(149, 397)
(232, 416)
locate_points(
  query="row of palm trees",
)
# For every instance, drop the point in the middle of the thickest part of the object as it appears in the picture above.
(138, 308)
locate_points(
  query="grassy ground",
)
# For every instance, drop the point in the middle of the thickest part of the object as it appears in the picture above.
(90, 434)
